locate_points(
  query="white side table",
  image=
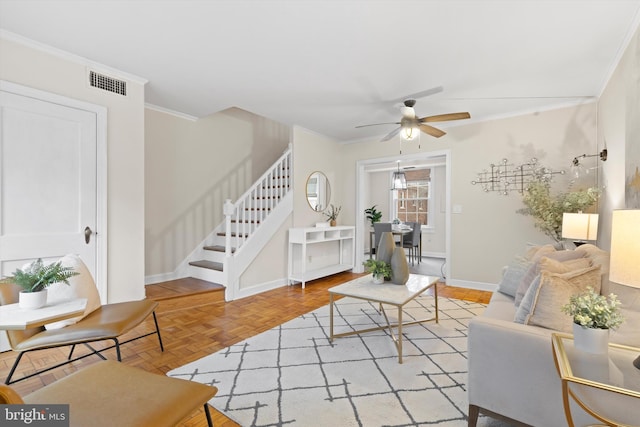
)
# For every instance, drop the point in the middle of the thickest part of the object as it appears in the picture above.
(607, 386)
(13, 317)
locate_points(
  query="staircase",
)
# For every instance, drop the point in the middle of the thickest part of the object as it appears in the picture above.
(226, 253)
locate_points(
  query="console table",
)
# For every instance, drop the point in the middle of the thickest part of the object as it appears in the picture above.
(316, 252)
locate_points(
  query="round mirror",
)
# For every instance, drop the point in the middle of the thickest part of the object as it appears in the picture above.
(318, 191)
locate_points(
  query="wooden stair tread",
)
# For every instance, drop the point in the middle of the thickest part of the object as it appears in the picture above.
(211, 265)
(217, 248)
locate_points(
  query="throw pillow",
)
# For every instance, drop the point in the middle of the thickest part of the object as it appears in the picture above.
(513, 276)
(80, 286)
(545, 252)
(551, 266)
(554, 292)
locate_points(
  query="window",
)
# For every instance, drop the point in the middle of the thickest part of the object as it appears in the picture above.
(412, 204)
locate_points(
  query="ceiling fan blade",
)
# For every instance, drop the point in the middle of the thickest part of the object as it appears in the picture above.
(430, 130)
(378, 124)
(445, 117)
(422, 94)
(391, 134)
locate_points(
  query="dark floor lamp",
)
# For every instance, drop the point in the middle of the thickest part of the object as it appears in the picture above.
(624, 266)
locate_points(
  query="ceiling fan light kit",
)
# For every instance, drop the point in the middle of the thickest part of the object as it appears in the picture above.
(411, 125)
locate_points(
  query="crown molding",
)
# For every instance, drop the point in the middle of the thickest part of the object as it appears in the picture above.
(96, 66)
(171, 112)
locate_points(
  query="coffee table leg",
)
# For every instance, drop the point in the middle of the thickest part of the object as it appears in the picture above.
(330, 317)
(435, 297)
(399, 334)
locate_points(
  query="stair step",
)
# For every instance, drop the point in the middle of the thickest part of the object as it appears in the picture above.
(246, 221)
(207, 264)
(233, 235)
(217, 248)
(266, 197)
(257, 209)
(269, 187)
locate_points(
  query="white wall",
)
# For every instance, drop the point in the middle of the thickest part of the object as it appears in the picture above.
(618, 124)
(191, 168)
(66, 76)
(488, 232)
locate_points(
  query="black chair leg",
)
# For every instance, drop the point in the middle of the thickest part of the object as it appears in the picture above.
(208, 414)
(73, 347)
(117, 346)
(155, 320)
(13, 368)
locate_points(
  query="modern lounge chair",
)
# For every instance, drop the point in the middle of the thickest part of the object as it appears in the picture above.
(112, 394)
(98, 323)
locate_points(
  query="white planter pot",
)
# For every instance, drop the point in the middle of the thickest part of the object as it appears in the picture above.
(378, 280)
(32, 300)
(590, 340)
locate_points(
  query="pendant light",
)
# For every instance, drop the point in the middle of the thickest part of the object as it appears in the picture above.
(399, 180)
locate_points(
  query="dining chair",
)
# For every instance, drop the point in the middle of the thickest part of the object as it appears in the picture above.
(378, 229)
(412, 242)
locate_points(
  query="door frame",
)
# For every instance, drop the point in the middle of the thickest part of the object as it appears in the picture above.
(101, 169)
(361, 187)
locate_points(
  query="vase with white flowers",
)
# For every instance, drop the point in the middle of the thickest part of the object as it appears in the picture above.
(593, 316)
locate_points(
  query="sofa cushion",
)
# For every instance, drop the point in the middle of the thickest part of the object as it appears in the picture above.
(597, 257)
(554, 292)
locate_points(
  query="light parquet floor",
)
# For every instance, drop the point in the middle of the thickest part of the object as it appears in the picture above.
(195, 321)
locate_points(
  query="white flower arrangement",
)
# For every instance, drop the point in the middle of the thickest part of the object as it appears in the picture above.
(592, 310)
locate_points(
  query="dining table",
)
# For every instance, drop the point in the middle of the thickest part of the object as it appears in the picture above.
(397, 230)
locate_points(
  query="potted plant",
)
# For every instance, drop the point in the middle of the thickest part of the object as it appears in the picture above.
(593, 316)
(547, 209)
(34, 279)
(373, 215)
(332, 213)
(379, 269)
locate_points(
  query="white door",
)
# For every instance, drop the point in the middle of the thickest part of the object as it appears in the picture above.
(47, 182)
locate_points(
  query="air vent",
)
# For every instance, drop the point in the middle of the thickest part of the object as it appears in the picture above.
(107, 83)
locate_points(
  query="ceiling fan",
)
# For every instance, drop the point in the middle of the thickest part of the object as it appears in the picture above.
(410, 123)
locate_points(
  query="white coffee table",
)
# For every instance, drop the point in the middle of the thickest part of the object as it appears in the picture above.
(386, 293)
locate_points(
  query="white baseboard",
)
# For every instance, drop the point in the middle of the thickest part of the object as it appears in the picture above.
(467, 284)
(262, 287)
(157, 278)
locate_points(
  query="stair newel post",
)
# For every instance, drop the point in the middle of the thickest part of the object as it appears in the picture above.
(228, 214)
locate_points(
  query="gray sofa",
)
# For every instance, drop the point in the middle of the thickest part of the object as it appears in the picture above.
(512, 373)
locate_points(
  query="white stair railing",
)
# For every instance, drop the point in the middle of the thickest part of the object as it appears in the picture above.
(256, 203)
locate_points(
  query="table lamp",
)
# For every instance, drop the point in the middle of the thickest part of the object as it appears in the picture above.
(624, 265)
(579, 227)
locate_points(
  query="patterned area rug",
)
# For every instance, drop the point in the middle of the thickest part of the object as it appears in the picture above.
(293, 375)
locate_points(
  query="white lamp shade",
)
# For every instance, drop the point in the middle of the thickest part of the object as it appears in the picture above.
(580, 226)
(624, 267)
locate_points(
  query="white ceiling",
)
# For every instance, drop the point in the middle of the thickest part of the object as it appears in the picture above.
(331, 65)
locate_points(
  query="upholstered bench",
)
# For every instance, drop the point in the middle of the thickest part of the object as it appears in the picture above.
(113, 394)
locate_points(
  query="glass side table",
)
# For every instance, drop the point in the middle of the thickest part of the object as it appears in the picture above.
(607, 386)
